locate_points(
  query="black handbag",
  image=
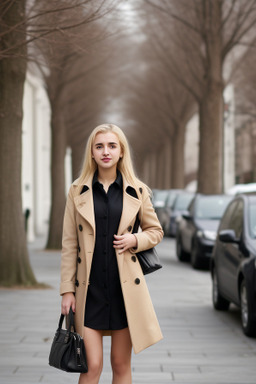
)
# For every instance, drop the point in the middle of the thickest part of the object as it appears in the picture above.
(68, 350)
(148, 259)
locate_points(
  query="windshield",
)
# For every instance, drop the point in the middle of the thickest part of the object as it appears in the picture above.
(160, 195)
(211, 207)
(159, 198)
(252, 221)
(171, 198)
(182, 201)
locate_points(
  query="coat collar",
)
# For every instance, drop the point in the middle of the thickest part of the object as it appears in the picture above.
(84, 203)
(118, 181)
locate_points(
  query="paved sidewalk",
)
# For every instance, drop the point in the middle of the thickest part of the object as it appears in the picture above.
(200, 345)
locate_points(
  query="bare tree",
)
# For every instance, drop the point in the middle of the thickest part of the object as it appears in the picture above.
(244, 79)
(15, 267)
(21, 23)
(58, 66)
(206, 31)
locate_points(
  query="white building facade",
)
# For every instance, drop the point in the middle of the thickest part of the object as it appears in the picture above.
(36, 158)
(36, 195)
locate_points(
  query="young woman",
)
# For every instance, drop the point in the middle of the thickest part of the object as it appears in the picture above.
(101, 278)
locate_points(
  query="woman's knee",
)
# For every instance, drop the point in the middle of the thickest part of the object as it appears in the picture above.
(94, 372)
(95, 367)
(120, 365)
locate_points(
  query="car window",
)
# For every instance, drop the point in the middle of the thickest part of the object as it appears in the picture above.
(182, 201)
(252, 221)
(225, 221)
(236, 222)
(159, 198)
(191, 207)
(211, 207)
(170, 199)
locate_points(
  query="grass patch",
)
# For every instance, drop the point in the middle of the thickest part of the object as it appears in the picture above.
(26, 287)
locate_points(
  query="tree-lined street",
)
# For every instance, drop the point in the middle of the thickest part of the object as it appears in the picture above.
(148, 66)
(200, 345)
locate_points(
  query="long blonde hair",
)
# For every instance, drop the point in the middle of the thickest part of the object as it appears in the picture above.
(124, 164)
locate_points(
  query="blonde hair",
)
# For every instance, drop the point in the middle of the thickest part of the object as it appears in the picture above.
(124, 164)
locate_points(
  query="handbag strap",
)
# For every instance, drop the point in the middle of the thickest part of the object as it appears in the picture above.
(137, 221)
(71, 322)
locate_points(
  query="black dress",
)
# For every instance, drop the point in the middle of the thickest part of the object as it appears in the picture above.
(104, 303)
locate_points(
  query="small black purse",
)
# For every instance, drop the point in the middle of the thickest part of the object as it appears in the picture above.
(68, 350)
(148, 259)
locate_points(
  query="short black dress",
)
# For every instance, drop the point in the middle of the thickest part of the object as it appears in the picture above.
(105, 308)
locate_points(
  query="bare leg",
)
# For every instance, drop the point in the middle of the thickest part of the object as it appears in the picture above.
(94, 353)
(121, 349)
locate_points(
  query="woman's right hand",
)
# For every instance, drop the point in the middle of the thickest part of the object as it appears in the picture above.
(68, 300)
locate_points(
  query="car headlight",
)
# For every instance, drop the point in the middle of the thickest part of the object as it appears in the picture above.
(209, 235)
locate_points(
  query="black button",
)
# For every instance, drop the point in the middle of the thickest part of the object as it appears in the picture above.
(79, 249)
(79, 259)
(80, 227)
(77, 283)
(129, 228)
(105, 234)
(104, 252)
(105, 285)
(134, 259)
(137, 281)
(104, 269)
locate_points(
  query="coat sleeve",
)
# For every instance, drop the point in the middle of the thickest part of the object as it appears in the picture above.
(151, 231)
(69, 247)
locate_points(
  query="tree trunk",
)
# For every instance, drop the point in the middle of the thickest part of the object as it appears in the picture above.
(160, 169)
(178, 157)
(78, 153)
(211, 105)
(153, 170)
(253, 137)
(145, 176)
(210, 149)
(15, 267)
(58, 152)
(168, 163)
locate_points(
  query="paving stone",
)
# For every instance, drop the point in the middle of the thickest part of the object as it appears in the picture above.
(200, 345)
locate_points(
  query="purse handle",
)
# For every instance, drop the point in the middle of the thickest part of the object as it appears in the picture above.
(71, 322)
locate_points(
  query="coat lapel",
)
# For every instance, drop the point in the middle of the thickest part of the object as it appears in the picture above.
(131, 206)
(84, 204)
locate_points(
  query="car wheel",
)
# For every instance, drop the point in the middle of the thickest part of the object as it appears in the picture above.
(219, 302)
(181, 254)
(195, 258)
(248, 324)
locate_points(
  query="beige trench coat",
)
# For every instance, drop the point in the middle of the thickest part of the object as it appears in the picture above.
(78, 244)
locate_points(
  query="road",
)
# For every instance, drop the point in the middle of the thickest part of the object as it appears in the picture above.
(200, 345)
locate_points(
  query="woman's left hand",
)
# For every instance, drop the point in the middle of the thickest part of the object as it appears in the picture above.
(124, 242)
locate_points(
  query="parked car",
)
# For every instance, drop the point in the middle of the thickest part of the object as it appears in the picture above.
(242, 188)
(233, 266)
(180, 205)
(164, 215)
(158, 200)
(196, 231)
